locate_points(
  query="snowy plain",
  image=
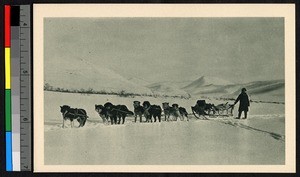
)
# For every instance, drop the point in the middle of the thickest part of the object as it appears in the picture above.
(258, 140)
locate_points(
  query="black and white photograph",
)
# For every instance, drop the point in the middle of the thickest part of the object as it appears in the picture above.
(164, 90)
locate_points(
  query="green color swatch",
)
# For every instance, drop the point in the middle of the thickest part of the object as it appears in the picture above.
(8, 110)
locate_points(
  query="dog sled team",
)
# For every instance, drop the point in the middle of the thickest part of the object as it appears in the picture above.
(116, 114)
(152, 113)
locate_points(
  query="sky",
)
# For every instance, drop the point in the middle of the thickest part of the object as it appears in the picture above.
(177, 49)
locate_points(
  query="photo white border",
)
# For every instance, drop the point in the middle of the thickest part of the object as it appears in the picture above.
(40, 11)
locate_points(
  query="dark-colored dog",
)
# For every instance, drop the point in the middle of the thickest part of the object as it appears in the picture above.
(117, 111)
(182, 111)
(175, 112)
(69, 113)
(138, 110)
(167, 110)
(151, 110)
(102, 113)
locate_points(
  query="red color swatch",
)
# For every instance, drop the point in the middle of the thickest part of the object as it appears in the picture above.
(7, 25)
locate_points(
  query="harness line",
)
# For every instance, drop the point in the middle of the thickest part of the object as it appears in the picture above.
(120, 110)
(64, 114)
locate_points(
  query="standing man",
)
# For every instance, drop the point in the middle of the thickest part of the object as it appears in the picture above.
(244, 103)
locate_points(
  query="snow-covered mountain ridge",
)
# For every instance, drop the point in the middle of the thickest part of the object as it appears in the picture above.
(82, 75)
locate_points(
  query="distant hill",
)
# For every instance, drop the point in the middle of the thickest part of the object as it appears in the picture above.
(138, 81)
(80, 74)
(166, 89)
(263, 90)
(271, 90)
(206, 85)
(176, 84)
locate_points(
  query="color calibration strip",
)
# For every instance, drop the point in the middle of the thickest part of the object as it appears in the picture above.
(17, 87)
(8, 137)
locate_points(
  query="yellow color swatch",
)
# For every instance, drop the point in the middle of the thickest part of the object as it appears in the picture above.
(7, 68)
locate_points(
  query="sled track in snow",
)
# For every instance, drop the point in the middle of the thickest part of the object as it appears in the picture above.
(240, 125)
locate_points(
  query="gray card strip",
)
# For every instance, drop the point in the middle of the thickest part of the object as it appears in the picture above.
(15, 93)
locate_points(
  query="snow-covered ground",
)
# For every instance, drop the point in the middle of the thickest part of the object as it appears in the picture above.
(258, 140)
